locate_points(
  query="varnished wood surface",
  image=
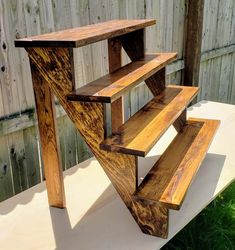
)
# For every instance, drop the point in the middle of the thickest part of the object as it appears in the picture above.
(45, 105)
(55, 67)
(180, 122)
(112, 86)
(139, 134)
(81, 36)
(115, 63)
(167, 182)
(157, 82)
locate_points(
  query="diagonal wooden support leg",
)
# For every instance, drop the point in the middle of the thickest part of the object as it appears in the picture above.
(133, 44)
(55, 66)
(180, 122)
(157, 82)
(44, 100)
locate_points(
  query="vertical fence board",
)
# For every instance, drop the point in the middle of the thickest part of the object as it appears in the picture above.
(18, 163)
(8, 57)
(83, 152)
(232, 87)
(225, 78)
(82, 56)
(6, 184)
(99, 49)
(33, 174)
(70, 143)
(232, 28)
(61, 130)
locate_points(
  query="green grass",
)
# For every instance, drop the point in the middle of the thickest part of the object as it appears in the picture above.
(213, 228)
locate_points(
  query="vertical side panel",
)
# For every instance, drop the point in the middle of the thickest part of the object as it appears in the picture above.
(6, 180)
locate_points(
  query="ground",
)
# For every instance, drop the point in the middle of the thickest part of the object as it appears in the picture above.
(213, 228)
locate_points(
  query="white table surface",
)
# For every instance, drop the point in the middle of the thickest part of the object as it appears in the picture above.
(96, 218)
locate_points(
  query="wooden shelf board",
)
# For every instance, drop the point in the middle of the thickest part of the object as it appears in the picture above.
(139, 134)
(81, 36)
(168, 181)
(111, 86)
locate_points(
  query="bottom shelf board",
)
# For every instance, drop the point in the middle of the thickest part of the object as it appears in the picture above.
(96, 218)
(169, 179)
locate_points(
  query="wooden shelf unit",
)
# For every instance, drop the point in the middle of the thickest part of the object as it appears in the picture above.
(164, 188)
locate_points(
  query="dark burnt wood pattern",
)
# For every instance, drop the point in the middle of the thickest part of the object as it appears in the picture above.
(55, 67)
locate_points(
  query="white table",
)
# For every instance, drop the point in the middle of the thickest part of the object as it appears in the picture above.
(96, 218)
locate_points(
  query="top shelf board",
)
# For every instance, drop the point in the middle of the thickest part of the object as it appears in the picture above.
(81, 36)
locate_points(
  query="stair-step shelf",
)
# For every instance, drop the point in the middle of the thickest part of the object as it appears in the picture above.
(168, 181)
(139, 134)
(52, 66)
(111, 86)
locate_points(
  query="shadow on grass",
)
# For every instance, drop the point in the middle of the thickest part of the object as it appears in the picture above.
(213, 228)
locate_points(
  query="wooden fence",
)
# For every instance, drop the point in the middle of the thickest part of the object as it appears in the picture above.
(20, 159)
(217, 69)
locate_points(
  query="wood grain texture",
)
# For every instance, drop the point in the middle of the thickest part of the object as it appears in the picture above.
(192, 42)
(115, 63)
(139, 134)
(17, 159)
(117, 114)
(167, 182)
(157, 82)
(180, 121)
(114, 54)
(81, 36)
(6, 183)
(54, 66)
(44, 101)
(112, 86)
